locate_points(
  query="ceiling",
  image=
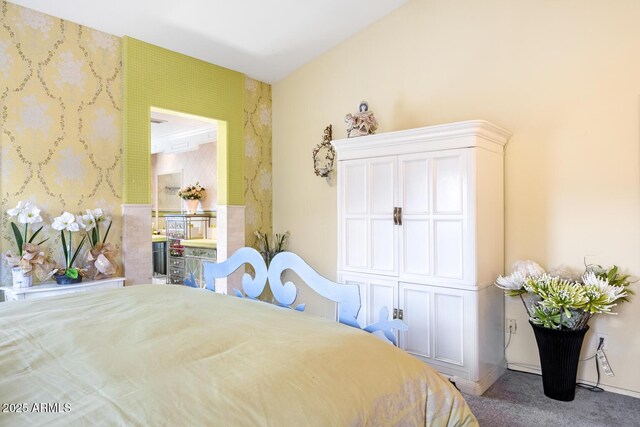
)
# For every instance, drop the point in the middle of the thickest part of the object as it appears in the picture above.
(173, 132)
(266, 40)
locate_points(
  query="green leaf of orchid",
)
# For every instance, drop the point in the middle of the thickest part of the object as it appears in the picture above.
(104, 239)
(33, 236)
(64, 248)
(75, 255)
(18, 236)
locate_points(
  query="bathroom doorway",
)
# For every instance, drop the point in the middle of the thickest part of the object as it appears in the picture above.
(183, 155)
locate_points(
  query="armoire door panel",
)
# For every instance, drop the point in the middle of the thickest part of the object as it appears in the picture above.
(355, 188)
(382, 187)
(362, 314)
(383, 244)
(448, 248)
(415, 185)
(355, 243)
(380, 294)
(448, 188)
(415, 251)
(414, 301)
(448, 311)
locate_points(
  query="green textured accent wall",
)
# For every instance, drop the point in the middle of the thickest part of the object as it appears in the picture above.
(157, 77)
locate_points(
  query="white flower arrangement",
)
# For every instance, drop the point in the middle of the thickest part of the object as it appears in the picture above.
(558, 302)
(30, 257)
(91, 221)
(192, 192)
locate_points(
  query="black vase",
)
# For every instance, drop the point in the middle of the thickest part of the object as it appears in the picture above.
(559, 355)
(63, 279)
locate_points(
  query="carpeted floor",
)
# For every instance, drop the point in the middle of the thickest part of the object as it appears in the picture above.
(517, 400)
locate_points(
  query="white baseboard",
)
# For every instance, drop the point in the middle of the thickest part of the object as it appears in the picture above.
(479, 387)
(536, 370)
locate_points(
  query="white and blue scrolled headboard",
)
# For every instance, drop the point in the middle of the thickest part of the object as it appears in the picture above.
(346, 296)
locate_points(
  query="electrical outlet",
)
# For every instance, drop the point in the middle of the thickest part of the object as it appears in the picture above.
(510, 326)
(606, 341)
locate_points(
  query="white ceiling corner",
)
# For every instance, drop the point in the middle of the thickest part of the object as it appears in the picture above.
(266, 40)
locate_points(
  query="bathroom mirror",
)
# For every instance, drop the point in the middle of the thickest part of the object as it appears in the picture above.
(167, 187)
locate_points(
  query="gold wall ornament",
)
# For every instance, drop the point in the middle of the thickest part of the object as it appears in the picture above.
(324, 155)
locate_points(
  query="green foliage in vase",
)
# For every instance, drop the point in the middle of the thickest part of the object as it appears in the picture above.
(268, 248)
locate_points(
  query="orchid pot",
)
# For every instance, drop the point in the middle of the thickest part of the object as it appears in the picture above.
(63, 279)
(21, 278)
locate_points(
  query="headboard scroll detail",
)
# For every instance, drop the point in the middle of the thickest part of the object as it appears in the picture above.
(346, 296)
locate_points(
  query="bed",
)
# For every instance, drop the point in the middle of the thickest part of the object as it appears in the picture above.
(176, 355)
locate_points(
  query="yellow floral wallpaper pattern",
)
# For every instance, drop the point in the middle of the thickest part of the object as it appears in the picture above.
(257, 163)
(60, 126)
(60, 119)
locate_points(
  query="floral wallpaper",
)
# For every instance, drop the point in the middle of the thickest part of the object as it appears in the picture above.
(257, 162)
(60, 119)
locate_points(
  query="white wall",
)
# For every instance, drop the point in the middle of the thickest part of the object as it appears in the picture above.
(562, 75)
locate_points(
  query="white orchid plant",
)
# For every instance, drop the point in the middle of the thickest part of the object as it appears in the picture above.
(27, 214)
(69, 223)
(91, 222)
(558, 301)
(101, 256)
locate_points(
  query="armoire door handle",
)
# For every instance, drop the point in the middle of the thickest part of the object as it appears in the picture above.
(395, 216)
(399, 216)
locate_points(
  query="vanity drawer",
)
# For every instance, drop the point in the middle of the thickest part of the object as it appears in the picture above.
(175, 234)
(208, 253)
(176, 280)
(176, 272)
(176, 262)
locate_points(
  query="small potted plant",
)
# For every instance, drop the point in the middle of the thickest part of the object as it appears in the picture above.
(269, 248)
(101, 258)
(559, 309)
(22, 265)
(192, 194)
(68, 274)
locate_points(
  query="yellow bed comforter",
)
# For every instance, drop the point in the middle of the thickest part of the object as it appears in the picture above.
(171, 355)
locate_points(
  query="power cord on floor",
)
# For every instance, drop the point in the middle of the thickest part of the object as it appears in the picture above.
(509, 341)
(589, 387)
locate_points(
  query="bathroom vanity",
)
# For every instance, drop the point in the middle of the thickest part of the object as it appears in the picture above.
(188, 245)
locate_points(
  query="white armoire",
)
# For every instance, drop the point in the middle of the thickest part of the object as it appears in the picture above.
(421, 231)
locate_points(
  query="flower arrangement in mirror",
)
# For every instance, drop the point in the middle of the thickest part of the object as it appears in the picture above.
(30, 257)
(69, 223)
(101, 257)
(192, 192)
(558, 301)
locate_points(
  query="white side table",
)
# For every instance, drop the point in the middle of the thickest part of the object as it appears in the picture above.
(48, 289)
